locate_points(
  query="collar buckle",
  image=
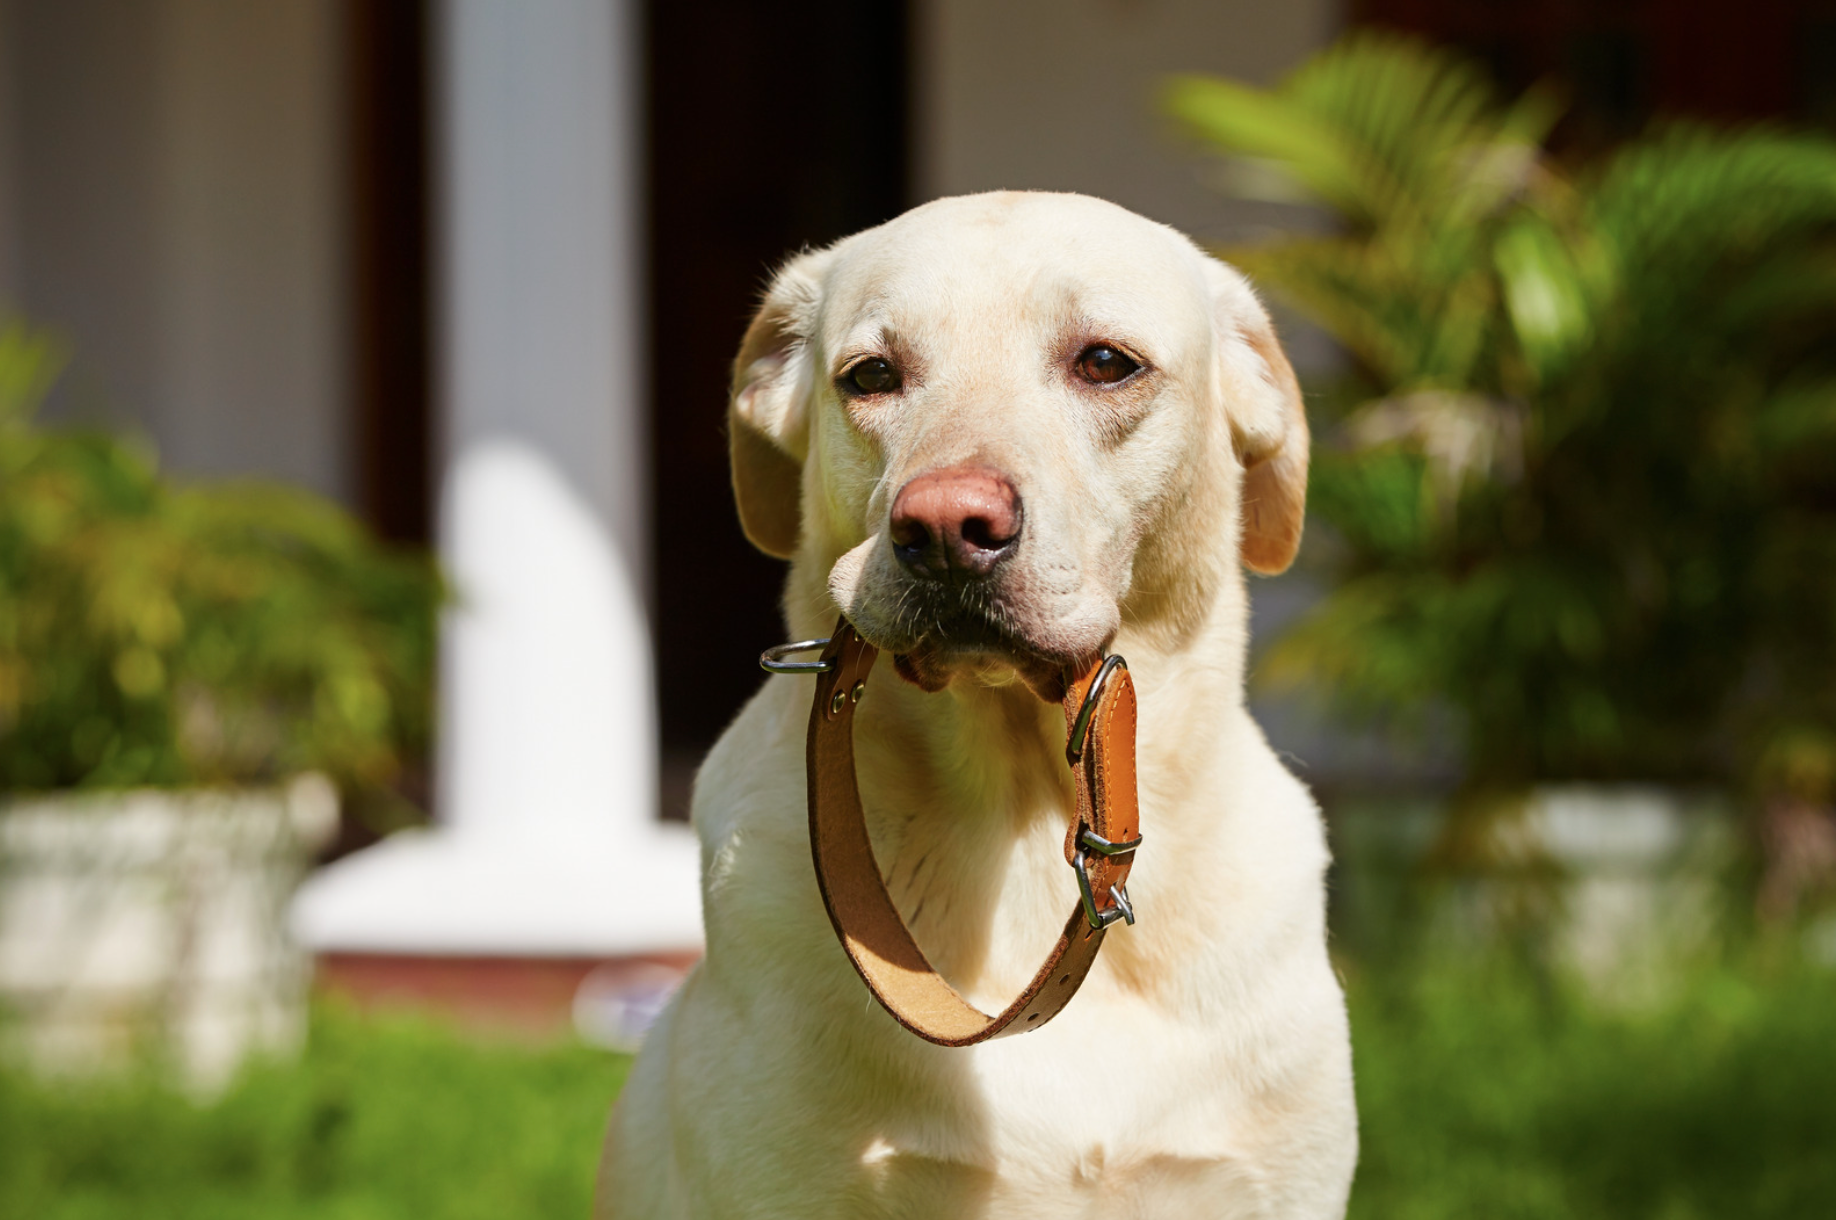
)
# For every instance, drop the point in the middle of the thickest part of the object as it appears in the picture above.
(1089, 843)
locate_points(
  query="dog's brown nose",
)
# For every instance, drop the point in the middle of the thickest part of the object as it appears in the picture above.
(955, 524)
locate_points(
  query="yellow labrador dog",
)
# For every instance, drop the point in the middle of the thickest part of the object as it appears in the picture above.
(1003, 433)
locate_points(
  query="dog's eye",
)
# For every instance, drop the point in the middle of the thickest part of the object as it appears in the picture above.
(1101, 364)
(871, 376)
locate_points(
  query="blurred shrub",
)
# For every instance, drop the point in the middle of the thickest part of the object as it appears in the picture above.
(1581, 483)
(156, 634)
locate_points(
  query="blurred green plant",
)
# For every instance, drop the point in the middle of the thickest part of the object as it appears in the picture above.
(159, 634)
(1581, 482)
(383, 1118)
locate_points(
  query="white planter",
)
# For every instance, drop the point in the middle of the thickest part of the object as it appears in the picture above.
(1617, 885)
(1642, 874)
(149, 923)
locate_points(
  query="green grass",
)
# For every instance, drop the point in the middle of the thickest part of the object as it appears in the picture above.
(1482, 1095)
(381, 1120)
(1486, 1095)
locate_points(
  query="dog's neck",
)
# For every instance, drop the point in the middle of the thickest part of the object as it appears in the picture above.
(968, 796)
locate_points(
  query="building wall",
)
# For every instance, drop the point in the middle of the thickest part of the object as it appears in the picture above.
(1061, 95)
(9, 199)
(173, 202)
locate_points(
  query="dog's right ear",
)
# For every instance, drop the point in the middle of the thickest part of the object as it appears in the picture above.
(767, 423)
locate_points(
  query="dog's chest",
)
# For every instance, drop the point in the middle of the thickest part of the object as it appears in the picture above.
(1114, 1104)
(1064, 1165)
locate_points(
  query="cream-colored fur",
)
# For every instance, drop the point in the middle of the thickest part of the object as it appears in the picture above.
(1204, 1070)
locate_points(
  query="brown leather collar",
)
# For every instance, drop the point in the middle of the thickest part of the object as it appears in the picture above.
(1100, 746)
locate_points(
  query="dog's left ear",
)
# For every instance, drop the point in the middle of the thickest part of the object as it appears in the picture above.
(1268, 422)
(768, 432)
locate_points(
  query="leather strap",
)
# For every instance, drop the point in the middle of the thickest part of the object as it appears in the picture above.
(862, 912)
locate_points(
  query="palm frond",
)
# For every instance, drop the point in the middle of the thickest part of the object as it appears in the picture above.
(1691, 205)
(1384, 129)
(1651, 342)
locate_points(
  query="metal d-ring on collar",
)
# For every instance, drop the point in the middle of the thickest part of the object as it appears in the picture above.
(1080, 728)
(772, 659)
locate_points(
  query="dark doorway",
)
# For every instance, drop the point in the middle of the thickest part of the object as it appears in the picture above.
(772, 126)
(387, 115)
(387, 141)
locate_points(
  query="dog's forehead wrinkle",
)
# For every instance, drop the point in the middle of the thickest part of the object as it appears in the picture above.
(1052, 241)
(868, 333)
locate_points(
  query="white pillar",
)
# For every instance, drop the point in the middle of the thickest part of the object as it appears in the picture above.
(547, 766)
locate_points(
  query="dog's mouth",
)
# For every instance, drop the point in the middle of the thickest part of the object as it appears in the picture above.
(984, 643)
(932, 666)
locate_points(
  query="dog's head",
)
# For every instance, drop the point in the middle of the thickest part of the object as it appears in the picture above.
(1001, 425)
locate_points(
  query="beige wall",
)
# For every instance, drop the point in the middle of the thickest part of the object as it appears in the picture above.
(173, 202)
(1061, 95)
(9, 201)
